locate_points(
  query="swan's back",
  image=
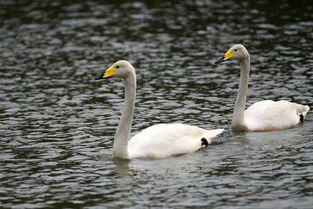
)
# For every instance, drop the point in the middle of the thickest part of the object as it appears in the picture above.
(269, 115)
(165, 140)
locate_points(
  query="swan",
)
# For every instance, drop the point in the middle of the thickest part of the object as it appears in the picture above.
(157, 141)
(265, 115)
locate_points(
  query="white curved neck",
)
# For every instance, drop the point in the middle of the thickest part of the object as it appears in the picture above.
(123, 131)
(238, 115)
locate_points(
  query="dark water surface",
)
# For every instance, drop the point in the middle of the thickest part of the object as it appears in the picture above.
(57, 123)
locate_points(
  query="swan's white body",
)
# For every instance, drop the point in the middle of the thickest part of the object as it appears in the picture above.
(165, 140)
(158, 141)
(269, 115)
(265, 115)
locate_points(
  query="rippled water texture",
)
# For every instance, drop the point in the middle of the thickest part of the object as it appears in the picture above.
(57, 123)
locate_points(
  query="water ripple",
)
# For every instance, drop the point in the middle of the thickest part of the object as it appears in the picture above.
(57, 123)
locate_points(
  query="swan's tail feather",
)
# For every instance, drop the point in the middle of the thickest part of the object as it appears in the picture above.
(211, 134)
(306, 109)
(215, 132)
(302, 109)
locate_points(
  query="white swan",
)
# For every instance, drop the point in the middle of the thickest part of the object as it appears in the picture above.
(158, 141)
(265, 115)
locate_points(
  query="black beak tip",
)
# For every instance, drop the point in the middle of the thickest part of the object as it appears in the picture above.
(99, 78)
(219, 61)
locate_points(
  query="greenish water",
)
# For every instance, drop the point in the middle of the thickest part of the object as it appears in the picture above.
(57, 124)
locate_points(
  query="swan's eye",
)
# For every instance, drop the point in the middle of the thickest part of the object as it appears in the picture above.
(117, 67)
(235, 50)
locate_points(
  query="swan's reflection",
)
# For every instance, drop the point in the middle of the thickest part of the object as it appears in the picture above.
(122, 166)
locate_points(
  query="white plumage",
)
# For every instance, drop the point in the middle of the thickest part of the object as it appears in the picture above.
(158, 141)
(269, 115)
(265, 115)
(165, 140)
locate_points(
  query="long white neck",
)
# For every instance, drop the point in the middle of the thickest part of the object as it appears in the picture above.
(238, 115)
(123, 131)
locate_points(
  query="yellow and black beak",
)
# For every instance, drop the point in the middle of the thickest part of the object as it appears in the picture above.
(107, 73)
(228, 56)
(99, 78)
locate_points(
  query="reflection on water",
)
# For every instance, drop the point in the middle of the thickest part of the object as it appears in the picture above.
(57, 123)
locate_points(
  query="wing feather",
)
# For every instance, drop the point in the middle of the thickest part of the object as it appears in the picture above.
(164, 140)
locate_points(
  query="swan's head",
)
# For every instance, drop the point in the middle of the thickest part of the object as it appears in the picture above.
(120, 69)
(236, 52)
